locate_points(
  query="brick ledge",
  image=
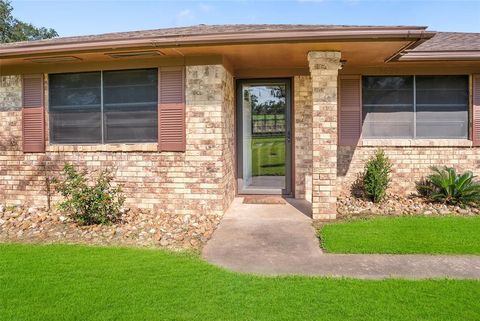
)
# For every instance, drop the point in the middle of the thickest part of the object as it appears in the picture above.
(141, 147)
(416, 143)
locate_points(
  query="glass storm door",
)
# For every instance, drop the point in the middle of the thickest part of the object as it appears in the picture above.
(264, 136)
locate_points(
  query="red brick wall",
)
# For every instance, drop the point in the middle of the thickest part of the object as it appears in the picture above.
(409, 164)
(198, 181)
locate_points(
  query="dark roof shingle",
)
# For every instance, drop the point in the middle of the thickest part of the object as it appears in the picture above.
(197, 30)
(441, 42)
(451, 41)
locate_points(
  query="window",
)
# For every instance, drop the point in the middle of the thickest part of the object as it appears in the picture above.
(415, 107)
(75, 108)
(442, 106)
(388, 107)
(104, 107)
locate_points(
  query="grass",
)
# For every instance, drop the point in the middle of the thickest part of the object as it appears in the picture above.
(65, 282)
(404, 235)
(268, 156)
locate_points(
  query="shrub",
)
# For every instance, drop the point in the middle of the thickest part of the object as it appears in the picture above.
(376, 177)
(446, 186)
(424, 187)
(97, 203)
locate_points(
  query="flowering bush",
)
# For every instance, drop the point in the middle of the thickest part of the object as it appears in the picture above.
(97, 203)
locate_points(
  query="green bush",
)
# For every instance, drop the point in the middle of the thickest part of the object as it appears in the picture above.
(376, 177)
(97, 203)
(424, 187)
(446, 186)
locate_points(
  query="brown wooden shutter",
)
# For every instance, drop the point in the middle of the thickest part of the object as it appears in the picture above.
(476, 110)
(171, 109)
(33, 124)
(350, 110)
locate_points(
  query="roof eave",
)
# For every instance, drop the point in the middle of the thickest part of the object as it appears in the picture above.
(218, 39)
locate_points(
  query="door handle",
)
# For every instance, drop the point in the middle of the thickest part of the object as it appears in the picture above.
(289, 138)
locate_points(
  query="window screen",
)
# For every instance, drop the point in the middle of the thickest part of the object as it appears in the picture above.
(127, 105)
(442, 106)
(415, 107)
(75, 108)
(388, 107)
(130, 105)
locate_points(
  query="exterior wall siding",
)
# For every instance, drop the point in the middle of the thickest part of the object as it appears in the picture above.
(409, 164)
(202, 180)
(196, 182)
(324, 66)
(228, 131)
(10, 93)
(303, 136)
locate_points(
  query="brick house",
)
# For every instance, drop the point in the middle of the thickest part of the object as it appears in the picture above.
(191, 117)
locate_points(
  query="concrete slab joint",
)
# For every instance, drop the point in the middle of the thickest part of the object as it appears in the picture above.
(324, 66)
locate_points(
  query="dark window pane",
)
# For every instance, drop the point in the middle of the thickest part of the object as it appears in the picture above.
(130, 105)
(75, 108)
(442, 106)
(387, 107)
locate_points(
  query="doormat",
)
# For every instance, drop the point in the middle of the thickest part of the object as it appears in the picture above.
(263, 200)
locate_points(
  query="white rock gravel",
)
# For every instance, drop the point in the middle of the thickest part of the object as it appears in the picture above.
(395, 205)
(137, 228)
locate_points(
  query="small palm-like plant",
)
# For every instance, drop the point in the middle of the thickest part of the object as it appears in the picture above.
(446, 186)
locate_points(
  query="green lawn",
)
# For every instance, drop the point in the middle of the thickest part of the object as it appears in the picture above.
(65, 282)
(268, 156)
(404, 235)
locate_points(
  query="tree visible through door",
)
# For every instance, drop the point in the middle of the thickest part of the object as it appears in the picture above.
(264, 124)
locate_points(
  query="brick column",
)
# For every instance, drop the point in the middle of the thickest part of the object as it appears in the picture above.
(324, 66)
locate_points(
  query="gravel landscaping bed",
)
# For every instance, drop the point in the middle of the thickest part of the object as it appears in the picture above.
(137, 228)
(395, 205)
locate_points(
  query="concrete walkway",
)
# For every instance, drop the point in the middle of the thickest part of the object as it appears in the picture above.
(280, 240)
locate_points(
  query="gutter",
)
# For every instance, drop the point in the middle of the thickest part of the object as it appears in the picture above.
(459, 55)
(408, 47)
(43, 47)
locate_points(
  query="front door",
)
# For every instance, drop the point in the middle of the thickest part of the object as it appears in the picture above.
(264, 136)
